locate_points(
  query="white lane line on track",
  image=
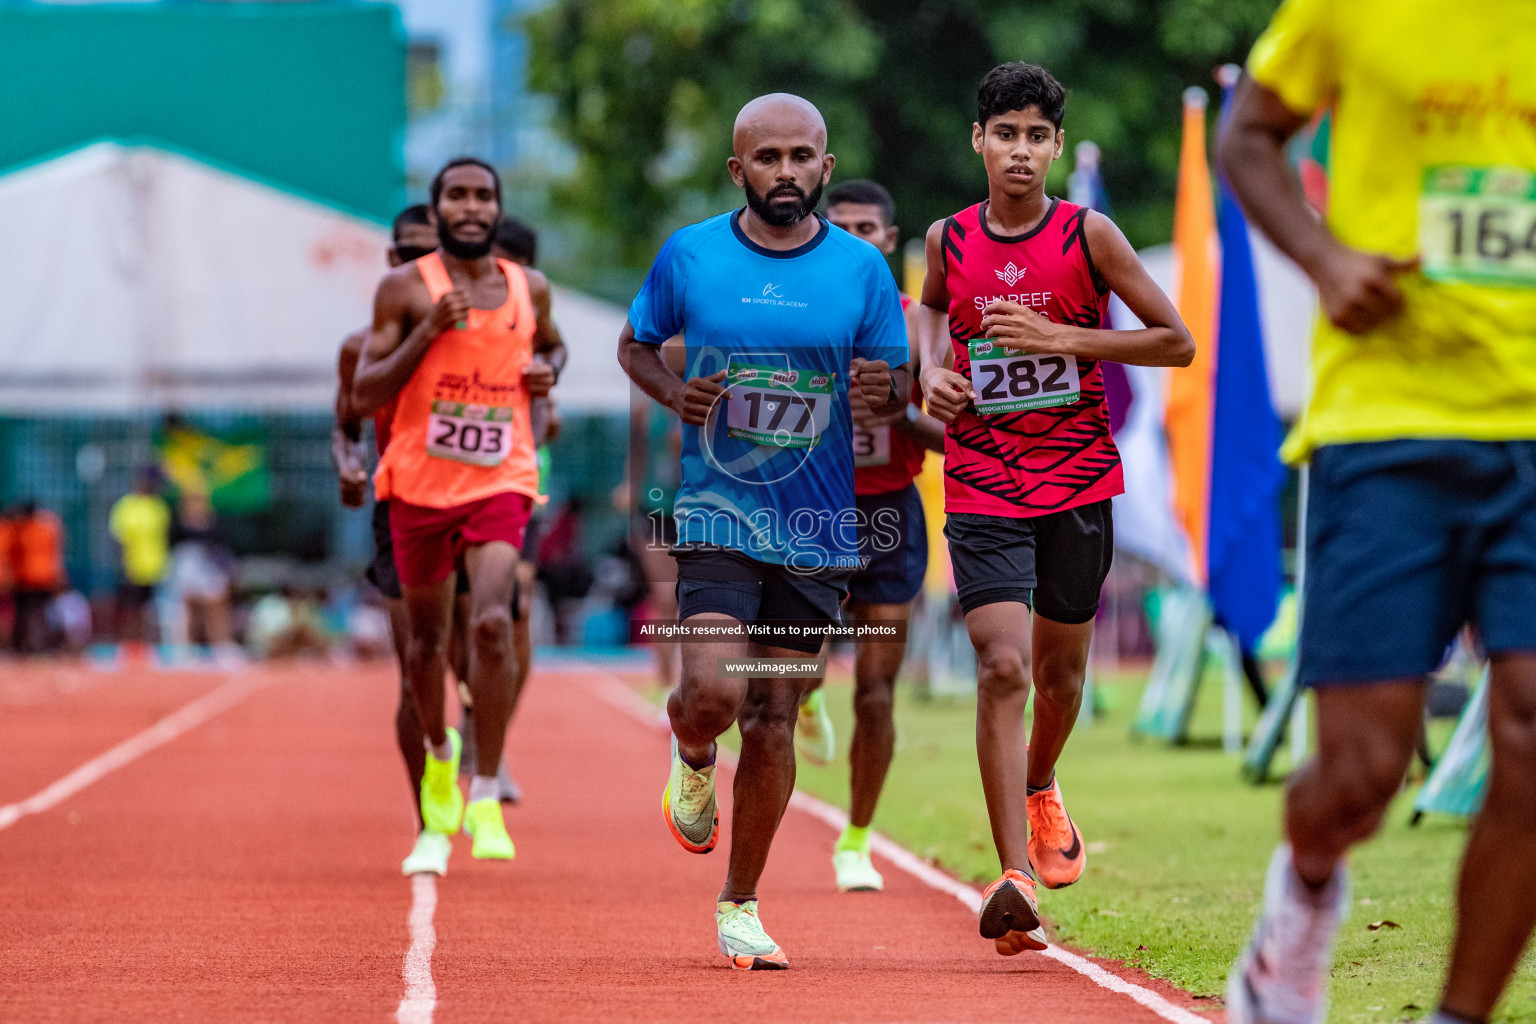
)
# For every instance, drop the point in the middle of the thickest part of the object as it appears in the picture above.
(420, 999)
(617, 693)
(189, 717)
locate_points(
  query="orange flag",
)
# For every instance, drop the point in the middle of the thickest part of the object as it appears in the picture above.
(1191, 389)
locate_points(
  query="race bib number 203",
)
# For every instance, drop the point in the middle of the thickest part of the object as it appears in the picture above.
(477, 434)
(1478, 225)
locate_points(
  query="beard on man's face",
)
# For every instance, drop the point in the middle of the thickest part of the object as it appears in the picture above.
(783, 215)
(459, 248)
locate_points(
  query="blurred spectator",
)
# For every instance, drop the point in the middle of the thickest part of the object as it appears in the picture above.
(141, 525)
(38, 544)
(562, 568)
(286, 625)
(7, 580)
(196, 589)
(69, 620)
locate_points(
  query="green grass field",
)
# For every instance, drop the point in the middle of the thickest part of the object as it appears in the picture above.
(1177, 850)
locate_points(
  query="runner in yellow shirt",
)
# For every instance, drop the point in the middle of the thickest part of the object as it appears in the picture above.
(140, 522)
(1421, 430)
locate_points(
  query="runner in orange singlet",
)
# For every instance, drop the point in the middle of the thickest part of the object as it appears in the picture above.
(452, 343)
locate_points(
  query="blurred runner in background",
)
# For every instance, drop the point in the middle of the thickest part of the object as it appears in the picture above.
(1421, 430)
(413, 235)
(888, 454)
(453, 339)
(1017, 291)
(140, 522)
(38, 536)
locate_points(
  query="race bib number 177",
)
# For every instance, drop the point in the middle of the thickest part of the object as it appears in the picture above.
(1478, 225)
(777, 406)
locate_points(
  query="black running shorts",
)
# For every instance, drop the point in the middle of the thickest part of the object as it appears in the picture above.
(1055, 563)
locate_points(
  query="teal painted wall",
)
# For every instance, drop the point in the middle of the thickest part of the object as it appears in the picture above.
(306, 96)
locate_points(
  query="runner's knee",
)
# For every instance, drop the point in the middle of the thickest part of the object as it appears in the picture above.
(770, 713)
(492, 628)
(1059, 676)
(710, 705)
(1362, 782)
(1002, 673)
(875, 702)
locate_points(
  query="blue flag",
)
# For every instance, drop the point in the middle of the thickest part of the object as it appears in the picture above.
(1243, 569)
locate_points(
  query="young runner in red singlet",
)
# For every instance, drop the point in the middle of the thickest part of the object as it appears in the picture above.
(893, 544)
(453, 341)
(1016, 290)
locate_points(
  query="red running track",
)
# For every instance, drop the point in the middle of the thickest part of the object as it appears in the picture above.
(248, 870)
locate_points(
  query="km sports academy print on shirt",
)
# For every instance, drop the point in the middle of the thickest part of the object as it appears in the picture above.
(771, 473)
(1036, 438)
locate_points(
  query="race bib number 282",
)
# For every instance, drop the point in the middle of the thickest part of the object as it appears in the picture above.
(1478, 225)
(1010, 381)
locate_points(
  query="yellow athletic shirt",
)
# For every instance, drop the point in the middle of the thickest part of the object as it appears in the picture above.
(1433, 152)
(141, 523)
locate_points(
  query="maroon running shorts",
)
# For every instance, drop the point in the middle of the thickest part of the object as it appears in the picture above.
(428, 541)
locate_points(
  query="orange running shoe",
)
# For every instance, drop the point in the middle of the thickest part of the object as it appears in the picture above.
(1056, 849)
(1010, 916)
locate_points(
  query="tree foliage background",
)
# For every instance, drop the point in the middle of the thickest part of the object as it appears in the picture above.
(646, 91)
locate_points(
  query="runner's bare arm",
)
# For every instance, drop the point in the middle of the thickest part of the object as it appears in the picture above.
(390, 355)
(645, 365)
(945, 392)
(1356, 288)
(1164, 341)
(347, 435)
(921, 427)
(545, 371)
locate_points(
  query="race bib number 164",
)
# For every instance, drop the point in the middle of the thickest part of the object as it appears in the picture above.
(1478, 225)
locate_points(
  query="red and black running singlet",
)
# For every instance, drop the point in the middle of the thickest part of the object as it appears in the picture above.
(1036, 438)
(887, 459)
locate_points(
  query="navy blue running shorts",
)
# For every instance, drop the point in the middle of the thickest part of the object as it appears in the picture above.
(893, 536)
(1407, 540)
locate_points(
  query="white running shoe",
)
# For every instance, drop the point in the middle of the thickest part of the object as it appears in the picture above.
(429, 856)
(813, 730)
(856, 872)
(1282, 975)
(741, 937)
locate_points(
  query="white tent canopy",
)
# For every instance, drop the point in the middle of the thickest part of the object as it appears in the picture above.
(144, 279)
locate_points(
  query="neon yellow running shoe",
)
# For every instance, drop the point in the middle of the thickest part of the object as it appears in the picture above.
(483, 821)
(442, 805)
(429, 856)
(813, 730)
(742, 938)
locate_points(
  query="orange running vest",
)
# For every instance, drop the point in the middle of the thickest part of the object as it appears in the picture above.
(460, 430)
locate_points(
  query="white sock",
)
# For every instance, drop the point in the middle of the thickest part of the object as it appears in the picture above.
(484, 787)
(442, 753)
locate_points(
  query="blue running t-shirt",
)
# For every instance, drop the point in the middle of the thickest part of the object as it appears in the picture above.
(771, 473)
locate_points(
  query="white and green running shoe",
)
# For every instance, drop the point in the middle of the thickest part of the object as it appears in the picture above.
(688, 804)
(856, 872)
(429, 856)
(813, 730)
(743, 940)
